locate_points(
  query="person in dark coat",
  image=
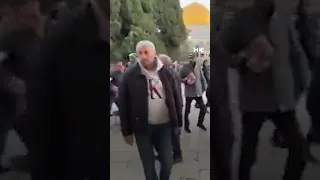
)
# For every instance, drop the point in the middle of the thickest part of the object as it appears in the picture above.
(177, 152)
(150, 110)
(68, 98)
(116, 79)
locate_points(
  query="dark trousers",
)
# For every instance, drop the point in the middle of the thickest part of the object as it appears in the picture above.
(287, 124)
(203, 110)
(157, 137)
(175, 144)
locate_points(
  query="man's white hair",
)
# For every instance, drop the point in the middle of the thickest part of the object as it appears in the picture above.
(166, 58)
(145, 43)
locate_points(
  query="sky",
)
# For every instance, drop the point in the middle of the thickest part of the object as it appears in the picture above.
(206, 3)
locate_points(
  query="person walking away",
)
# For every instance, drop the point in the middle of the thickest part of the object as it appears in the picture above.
(67, 97)
(195, 84)
(177, 152)
(150, 109)
(263, 80)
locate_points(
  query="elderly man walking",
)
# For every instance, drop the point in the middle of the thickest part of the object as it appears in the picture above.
(177, 152)
(150, 110)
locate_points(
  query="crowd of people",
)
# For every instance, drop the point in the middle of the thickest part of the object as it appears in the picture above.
(54, 91)
(148, 93)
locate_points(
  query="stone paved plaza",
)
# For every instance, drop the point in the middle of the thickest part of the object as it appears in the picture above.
(125, 163)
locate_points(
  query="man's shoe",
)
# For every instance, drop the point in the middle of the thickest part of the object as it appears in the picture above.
(187, 129)
(177, 158)
(201, 126)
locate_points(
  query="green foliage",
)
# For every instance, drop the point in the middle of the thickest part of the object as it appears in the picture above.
(135, 20)
(170, 22)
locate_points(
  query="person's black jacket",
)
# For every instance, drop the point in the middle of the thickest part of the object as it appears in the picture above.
(133, 100)
(116, 78)
(68, 101)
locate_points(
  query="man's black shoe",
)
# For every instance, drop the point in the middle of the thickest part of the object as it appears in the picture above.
(201, 126)
(187, 129)
(177, 158)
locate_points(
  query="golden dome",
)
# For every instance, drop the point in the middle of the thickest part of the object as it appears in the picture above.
(196, 14)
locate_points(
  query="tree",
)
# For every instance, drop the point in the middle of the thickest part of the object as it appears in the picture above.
(168, 16)
(132, 21)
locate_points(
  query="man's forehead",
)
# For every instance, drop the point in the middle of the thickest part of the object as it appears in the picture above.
(145, 49)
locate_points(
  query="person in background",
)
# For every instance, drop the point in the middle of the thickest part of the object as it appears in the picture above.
(195, 85)
(206, 73)
(115, 81)
(177, 152)
(150, 110)
(132, 59)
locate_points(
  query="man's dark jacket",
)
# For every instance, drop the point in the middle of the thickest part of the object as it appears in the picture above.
(68, 101)
(133, 100)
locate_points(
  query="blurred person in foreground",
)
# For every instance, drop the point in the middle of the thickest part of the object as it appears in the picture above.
(308, 27)
(21, 33)
(264, 46)
(195, 85)
(150, 110)
(177, 152)
(67, 98)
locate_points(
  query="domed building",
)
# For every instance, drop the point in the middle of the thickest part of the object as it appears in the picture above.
(196, 18)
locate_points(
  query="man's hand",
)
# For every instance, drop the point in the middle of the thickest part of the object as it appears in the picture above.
(177, 130)
(129, 139)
